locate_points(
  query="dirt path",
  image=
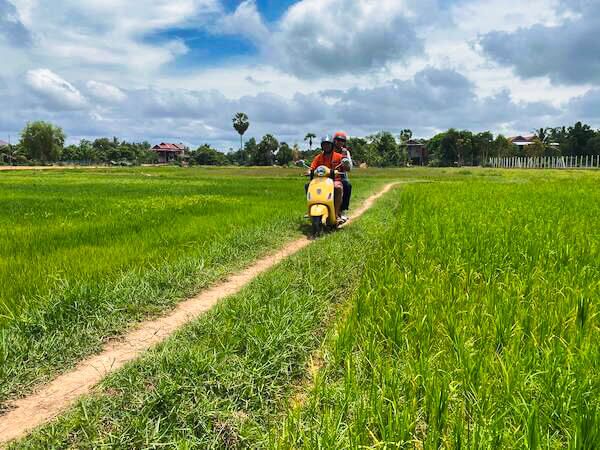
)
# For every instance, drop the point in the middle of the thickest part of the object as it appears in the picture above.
(53, 398)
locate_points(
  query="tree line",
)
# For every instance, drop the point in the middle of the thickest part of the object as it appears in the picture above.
(42, 142)
(462, 147)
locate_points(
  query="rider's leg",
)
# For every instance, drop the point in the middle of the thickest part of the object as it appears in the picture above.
(337, 198)
(347, 195)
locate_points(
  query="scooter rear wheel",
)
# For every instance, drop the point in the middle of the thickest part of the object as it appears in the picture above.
(317, 226)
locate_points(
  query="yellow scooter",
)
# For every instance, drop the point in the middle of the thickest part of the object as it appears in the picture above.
(320, 197)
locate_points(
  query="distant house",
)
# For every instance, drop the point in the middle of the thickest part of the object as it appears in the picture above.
(524, 141)
(417, 152)
(169, 152)
(521, 141)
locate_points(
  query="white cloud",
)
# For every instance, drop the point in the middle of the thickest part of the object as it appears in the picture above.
(56, 92)
(110, 34)
(245, 21)
(325, 63)
(105, 92)
(329, 37)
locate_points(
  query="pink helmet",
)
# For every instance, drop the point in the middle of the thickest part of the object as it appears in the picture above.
(341, 135)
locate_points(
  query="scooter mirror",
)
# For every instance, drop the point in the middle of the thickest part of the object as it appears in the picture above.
(300, 163)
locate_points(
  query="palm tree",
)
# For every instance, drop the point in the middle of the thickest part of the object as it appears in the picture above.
(542, 134)
(241, 125)
(406, 135)
(12, 153)
(309, 137)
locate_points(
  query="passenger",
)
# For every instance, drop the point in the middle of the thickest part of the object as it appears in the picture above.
(340, 141)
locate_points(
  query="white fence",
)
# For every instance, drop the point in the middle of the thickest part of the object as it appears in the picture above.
(547, 162)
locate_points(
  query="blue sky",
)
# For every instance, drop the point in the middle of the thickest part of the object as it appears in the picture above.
(179, 69)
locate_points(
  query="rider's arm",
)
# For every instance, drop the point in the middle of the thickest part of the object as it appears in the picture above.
(349, 156)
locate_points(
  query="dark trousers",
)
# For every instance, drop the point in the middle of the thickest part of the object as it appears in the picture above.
(347, 194)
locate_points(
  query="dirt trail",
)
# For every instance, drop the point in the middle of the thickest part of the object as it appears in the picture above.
(53, 398)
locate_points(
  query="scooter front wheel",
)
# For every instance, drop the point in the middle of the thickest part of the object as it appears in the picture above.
(317, 226)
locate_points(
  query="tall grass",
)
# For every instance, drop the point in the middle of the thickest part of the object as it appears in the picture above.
(217, 381)
(476, 325)
(87, 253)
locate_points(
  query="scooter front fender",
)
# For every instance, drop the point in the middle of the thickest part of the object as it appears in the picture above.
(320, 211)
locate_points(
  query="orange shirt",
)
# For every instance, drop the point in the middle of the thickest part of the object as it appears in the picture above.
(333, 160)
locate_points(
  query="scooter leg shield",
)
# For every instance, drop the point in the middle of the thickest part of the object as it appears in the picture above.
(319, 211)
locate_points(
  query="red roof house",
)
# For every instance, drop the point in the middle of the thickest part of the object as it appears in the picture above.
(169, 152)
(522, 140)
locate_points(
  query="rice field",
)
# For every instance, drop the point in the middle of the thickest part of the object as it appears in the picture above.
(84, 254)
(476, 324)
(458, 312)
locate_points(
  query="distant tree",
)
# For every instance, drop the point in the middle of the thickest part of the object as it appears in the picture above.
(557, 134)
(536, 149)
(388, 152)
(70, 153)
(266, 150)
(309, 137)
(12, 154)
(576, 140)
(482, 147)
(205, 155)
(593, 145)
(105, 149)
(405, 136)
(503, 147)
(465, 148)
(42, 141)
(238, 157)
(251, 151)
(241, 125)
(358, 149)
(296, 152)
(542, 134)
(284, 154)
(449, 151)
(86, 151)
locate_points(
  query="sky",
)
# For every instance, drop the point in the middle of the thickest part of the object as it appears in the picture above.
(178, 70)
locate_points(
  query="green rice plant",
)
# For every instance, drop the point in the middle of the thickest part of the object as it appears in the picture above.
(476, 325)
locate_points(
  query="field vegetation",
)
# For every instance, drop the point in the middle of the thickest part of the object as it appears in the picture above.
(459, 312)
(84, 254)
